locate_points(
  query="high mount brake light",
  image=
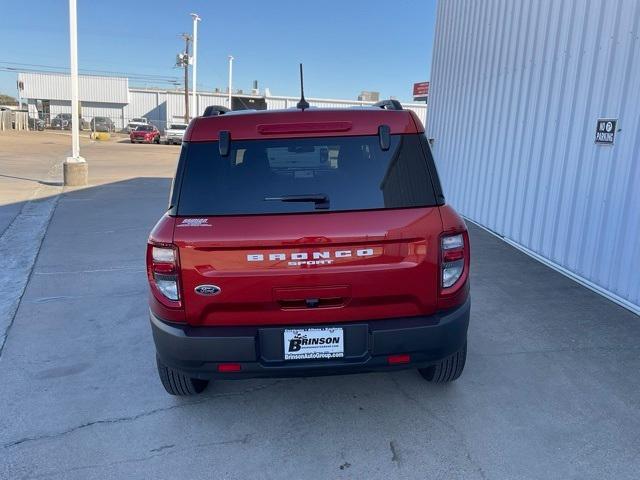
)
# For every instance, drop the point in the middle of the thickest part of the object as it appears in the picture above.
(164, 271)
(304, 127)
(453, 252)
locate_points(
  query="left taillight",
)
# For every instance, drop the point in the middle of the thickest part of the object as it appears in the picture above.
(162, 268)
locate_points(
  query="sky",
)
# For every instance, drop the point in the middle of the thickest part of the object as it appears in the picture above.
(346, 46)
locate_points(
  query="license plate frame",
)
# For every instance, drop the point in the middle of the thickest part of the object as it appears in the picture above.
(313, 343)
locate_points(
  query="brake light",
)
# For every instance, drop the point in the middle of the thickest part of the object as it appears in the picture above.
(163, 270)
(452, 254)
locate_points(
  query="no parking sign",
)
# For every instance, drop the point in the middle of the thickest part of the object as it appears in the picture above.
(606, 131)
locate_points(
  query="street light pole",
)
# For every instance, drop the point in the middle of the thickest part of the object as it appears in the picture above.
(196, 19)
(230, 79)
(75, 169)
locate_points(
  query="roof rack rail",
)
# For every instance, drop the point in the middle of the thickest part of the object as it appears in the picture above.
(215, 110)
(388, 105)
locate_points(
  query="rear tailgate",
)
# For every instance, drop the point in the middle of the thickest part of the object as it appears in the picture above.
(309, 268)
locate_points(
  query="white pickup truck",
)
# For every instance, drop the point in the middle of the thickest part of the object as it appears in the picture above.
(175, 132)
(135, 123)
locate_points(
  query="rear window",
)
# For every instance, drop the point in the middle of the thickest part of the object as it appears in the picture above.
(174, 126)
(304, 175)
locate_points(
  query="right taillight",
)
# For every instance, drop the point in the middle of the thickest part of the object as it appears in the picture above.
(163, 270)
(453, 259)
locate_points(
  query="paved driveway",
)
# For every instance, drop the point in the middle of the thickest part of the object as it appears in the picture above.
(551, 388)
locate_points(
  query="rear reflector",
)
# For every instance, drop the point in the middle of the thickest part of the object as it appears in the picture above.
(229, 367)
(304, 127)
(398, 359)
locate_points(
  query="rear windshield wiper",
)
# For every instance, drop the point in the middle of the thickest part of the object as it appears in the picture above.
(320, 199)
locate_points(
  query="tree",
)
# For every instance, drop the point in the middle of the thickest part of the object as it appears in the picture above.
(7, 100)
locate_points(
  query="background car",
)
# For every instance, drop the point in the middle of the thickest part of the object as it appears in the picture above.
(145, 134)
(63, 121)
(36, 124)
(135, 123)
(175, 132)
(102, 124)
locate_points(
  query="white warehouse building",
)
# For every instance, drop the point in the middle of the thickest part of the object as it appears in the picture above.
(535, 123)
(49, 94)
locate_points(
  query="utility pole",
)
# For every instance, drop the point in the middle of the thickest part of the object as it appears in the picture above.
(196, 19)
(230, 80)
(183, 61)
(75, 168)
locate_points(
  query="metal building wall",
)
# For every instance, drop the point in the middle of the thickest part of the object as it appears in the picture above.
(148, 103)
(516, 89)
(56, 86)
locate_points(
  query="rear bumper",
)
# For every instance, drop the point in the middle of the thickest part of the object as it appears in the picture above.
(198, 351)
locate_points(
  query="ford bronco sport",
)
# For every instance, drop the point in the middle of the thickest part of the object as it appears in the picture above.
(307, 242)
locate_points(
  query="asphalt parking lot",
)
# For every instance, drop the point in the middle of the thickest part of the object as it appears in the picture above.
(550, 390)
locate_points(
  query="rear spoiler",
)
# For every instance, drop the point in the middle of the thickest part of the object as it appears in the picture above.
(388, 105)
(215, 110)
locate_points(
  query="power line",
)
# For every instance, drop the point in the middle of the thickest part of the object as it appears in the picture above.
(16, 66)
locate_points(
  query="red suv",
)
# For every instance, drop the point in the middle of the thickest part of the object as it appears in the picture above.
(306, 243)
(145, 134)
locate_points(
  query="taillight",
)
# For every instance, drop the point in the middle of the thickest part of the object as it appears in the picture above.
(163, 266)
(452, 249)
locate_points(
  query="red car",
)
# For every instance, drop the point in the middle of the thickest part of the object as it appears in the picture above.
(307, 242)
(145, 134)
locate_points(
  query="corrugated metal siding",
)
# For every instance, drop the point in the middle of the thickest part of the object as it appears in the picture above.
(151, 104)
(516, 89)
(52, 86)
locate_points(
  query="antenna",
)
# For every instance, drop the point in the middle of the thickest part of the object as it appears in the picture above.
(302, 104)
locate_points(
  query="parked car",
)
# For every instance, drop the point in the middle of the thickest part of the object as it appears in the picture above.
(135, 123)
(36, 124)
(175, 132)
(63, 121)
(145, 134)
(306, 243)
(102, 124)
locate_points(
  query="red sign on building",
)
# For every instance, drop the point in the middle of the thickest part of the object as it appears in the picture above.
(421, 89)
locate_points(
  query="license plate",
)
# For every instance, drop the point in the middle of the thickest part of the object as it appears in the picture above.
(306, 343)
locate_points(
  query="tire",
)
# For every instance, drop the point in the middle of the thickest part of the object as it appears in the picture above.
(177, 383)
(448, 370)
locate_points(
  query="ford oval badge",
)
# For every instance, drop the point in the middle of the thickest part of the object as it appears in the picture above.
(207, 290)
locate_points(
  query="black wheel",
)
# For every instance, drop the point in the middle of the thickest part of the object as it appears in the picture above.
(448, 370)
(177, 383)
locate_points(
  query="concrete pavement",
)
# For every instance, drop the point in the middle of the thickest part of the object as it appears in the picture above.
(550, 389)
